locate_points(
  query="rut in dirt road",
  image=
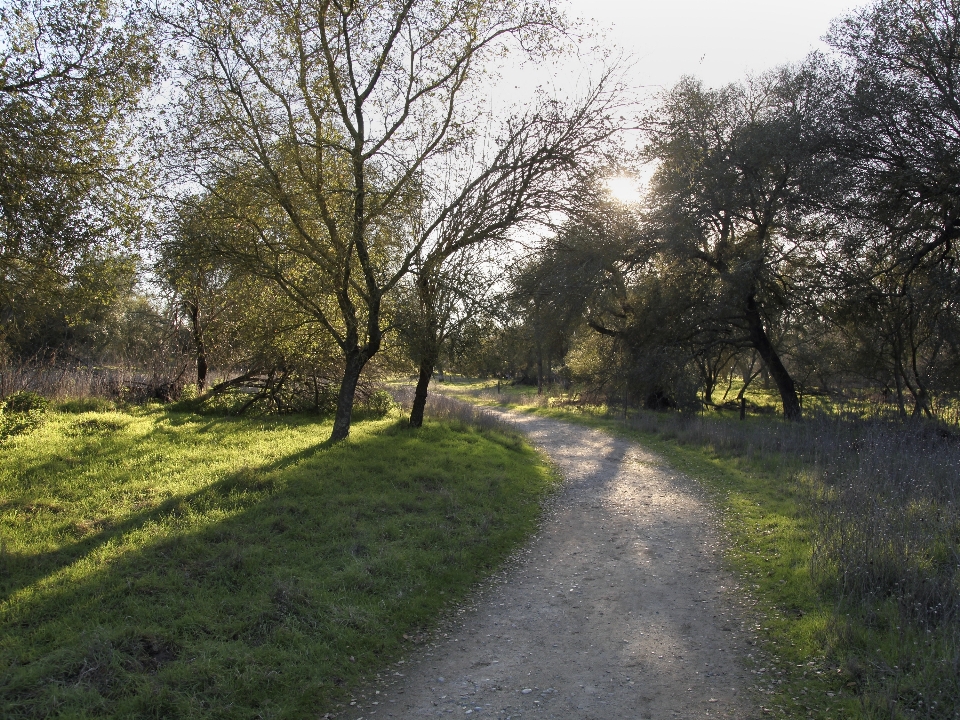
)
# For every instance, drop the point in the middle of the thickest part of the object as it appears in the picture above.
(618, 608)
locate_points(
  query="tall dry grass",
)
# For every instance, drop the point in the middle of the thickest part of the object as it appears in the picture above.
(60, 382)
(885, 498)
(443, 407)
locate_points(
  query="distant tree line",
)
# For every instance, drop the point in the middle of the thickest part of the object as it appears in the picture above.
(801, 225)
(276, 202)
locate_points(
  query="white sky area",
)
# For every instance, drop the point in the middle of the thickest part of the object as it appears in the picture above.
(660, 42)
(719, 42)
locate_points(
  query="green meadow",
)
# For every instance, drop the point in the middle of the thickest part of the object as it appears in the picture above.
(164, 564)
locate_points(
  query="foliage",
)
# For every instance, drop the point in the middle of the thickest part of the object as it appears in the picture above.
(25, 401)
(713, 259)
(326, 118)
(21, 412)
(900, 139)
(803, 219)
(71, 76)
(378, 404)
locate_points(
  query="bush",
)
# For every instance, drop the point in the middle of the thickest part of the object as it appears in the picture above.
(20, 413)
(378, 404)
(86, 404)
(25, 402)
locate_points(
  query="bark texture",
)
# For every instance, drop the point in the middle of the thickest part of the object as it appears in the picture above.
(420, 394)
(761, 342)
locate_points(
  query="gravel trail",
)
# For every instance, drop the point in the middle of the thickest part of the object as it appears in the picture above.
(618, 607)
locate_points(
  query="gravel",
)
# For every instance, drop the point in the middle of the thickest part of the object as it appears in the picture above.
(618, 608)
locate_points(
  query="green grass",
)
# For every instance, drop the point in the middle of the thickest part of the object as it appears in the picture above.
(161, 564)
(762, 401)
(817, 657)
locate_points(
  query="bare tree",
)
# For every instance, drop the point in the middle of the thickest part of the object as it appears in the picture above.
(319, 123)
(535, 174)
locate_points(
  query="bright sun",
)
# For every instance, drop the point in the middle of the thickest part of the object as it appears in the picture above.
(623, 188)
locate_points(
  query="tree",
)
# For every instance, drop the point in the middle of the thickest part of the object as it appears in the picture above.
(79, 318)
(901, 111)
(534, 174)
(195, 277)
(570, 275)
(237, 321)
(319, 125)
(897, 267)
(740, 174)
(71, 76)
(438, 303)
(901, 329)
(597, 272)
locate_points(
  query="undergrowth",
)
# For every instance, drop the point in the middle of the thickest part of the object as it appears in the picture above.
(20, 413)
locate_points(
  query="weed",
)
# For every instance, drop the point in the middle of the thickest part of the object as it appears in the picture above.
(26, 401)
(20, 413)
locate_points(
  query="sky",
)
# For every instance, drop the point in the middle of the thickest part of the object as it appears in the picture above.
(717, 41)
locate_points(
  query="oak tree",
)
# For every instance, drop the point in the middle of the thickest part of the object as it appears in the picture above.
(330, 115)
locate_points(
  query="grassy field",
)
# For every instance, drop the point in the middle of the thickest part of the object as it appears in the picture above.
(848, 535)
(163, 564)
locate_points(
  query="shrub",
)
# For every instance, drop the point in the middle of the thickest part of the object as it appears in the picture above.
(26, 401)
(189, 392)
(86, 404)
(378, 404)
(20, 413)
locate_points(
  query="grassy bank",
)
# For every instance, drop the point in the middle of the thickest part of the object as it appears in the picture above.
(164, 564)
(846, 532)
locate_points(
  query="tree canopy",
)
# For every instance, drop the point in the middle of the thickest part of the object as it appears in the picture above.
(71, 78)
(334, 198)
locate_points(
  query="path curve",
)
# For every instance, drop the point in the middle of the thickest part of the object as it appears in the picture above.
(617, 608)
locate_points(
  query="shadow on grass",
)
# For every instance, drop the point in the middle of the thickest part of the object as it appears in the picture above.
(848, 532)
(19, 571)
(269, 591)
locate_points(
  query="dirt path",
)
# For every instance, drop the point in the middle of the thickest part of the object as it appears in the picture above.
(618, 608)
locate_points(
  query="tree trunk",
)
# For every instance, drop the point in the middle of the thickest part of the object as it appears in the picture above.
(201, 370)
(709, 382)
(919, 395)
(348, 390)
(921, 405)
(761, 343)
(900, 405)
(539, 371)
(199, 347)
(420, 395)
